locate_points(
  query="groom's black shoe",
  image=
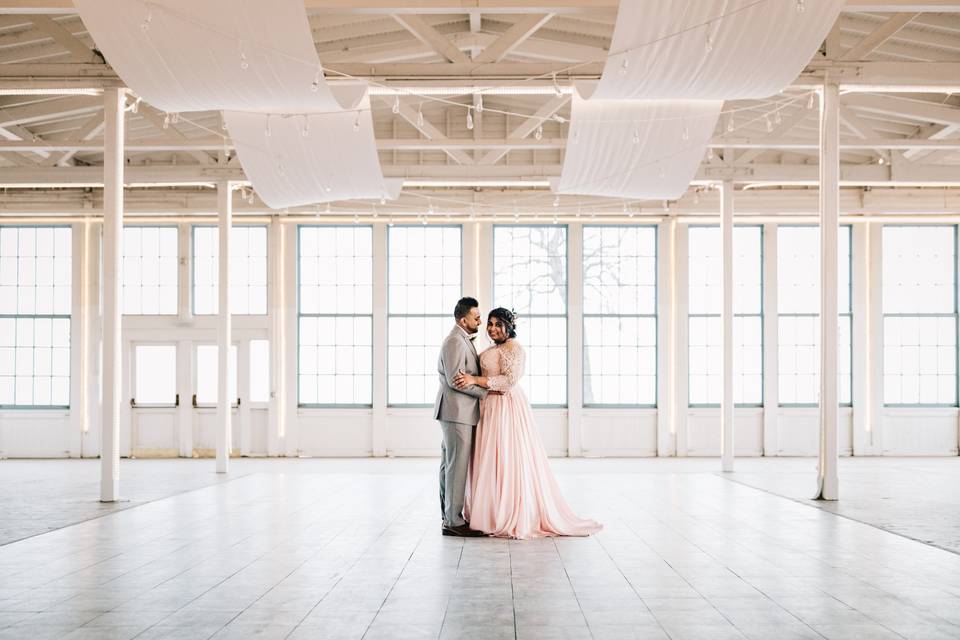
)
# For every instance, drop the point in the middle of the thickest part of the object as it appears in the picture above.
(462, 531)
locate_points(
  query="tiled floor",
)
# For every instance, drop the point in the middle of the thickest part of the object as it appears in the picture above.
(352, 549)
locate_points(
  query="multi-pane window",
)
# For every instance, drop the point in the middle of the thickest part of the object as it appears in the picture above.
(208, 372)
(798, 321)
(155, 375)
(248, 270)
(35, 301)
(705, 306)
(919, 315)
(335, 360)
(259, 366)
(149, 270)
(530, 276)
(620, 316)
(424, 272)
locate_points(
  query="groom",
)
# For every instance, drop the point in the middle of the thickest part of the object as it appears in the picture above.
(458, 411)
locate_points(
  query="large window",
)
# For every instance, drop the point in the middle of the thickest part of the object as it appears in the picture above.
(35, 301)
(706, 303)
(335, 315)
(424, 285)
(798, 296)
(919, 316)
(620, 316)
(248, 270)
(150, 270)
(208, 372)
(530, 276)
(155, 375)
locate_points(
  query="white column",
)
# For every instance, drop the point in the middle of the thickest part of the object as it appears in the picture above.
(575, 340)
(185, 382)
(681, 340)
(827, 484)
(666, 354)
(771, 340)
(225, 220)
(275, 331)
(113, 107)
(726, 319)
(379, 426)
(861, 339)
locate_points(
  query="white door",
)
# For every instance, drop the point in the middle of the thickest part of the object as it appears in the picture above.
(154, 430)
(204, 400)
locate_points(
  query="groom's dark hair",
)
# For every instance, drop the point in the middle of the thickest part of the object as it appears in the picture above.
(463, 307)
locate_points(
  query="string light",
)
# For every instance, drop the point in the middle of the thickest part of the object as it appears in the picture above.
(145, 25)
(266, 127)
(470, 118)
(636, 136)
(383, 201)
(538, 134)
(559, 118)
(777, 118)
(420, 115)
(306, 127)
(356, 218)
(243, 58)
(166, 121)
(252, 197)
(516, 212)
(575, 138)
(328, 208)
(769, 124)
(710, 154)
(801, 6)
(556, 202)
(396, 105)
(281, 170)
(376, 214)
(135, 107)
(881, 160)
(478, 103)
(556, 219)
(696, 196)
(730, 124)
(556, 85)
(356, 123)
(810, 101)
(175, 117)
(623, 66)
(686, 133)
(666, 205)
(661, 173)
(315, 85)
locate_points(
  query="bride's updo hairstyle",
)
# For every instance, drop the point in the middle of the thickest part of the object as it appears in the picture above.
(508, 318)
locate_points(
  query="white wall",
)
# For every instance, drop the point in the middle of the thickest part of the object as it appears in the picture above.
(280, 427)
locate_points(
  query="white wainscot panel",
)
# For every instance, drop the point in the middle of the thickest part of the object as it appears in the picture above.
(154, 433)
(412, 432)
(35, 434)
(205, 433)
(703, 432)
(798, 432)
(919, 432)
(552, 424)
(335, 432)
(259, 426)
(619, 432)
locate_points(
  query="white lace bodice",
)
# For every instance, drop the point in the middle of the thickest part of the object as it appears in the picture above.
(502, 365)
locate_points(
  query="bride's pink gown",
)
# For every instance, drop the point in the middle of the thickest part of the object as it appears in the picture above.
(511, 491)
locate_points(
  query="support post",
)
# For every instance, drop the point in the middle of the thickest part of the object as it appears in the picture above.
(225, 222)
(827, 482)
(575, 340)
(380, 434)
(114, 101)
(726, 319)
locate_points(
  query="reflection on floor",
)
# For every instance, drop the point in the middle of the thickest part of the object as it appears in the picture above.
(352, 549)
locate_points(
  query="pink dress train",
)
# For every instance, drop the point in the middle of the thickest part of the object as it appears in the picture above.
(511, 491)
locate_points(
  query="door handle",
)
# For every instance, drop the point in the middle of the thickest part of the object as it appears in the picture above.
(194, 401)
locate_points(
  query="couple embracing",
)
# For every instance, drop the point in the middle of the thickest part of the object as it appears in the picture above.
(495, 478)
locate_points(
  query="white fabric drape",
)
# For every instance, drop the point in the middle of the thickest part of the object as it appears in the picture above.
(642, 149)
(712, 49)
(189, 55)
(256, 61)
(292, 165)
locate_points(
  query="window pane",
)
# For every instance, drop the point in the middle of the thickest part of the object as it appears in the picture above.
(335, 305)
(620, 326)
(424, 273)
(35, 294)
(208, 371)
(149, 268)
(259, 371)
(920, 321)
(248, 270)
(530, 276)
(155, 374)
(705, 354)
(798, 299)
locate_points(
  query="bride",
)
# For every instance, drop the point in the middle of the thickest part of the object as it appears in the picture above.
(511, 491)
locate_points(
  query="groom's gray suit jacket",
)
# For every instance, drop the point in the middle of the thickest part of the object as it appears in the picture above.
(458, 405)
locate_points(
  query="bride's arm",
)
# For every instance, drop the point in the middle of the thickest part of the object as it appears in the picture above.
(511, 367)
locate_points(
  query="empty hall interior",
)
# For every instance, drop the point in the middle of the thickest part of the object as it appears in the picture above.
(234, 238)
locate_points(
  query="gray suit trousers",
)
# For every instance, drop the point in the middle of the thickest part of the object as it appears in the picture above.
(454, 461)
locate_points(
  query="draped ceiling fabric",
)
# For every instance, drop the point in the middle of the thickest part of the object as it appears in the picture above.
(636, 148)
(291, 166)
(756, 47)
(249, 58)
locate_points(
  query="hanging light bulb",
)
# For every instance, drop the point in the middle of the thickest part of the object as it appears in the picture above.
(801, 6)
(383, 201)
(559, 118)
(469, 118)
(575, 138)
(266, 127)
(730, 124)
(810, 101)
(356, 123)
(710, 154)
(175, 118)
(429, 206)
(661, 173)
(315, 85)
(516, 212)
(686, 133)
(777, 118)
(328, 208)
(305, 132)
(328, 188)
(420, 115)
(478, 105)
(708, 45)
(423, 220)
(556, 202)
(556, 85)
(696, 197)
(881, 160)
(556, 219)
(636, 136)
(281, 169)
(473, 212)
(396, 105)
(145, 25)
(623, 66)
(166, 121)
(243, 58)
(356, 218)
(769, 125)
(666, 205)
(135, 107)
(376, 214)
(251, 198)
(538, 134)
(223, 122)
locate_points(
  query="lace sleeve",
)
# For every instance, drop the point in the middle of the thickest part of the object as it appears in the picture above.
(511, 368)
